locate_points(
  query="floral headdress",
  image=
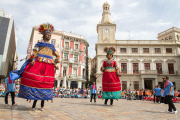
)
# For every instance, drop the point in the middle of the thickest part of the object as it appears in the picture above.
(110, 49)
(46, 28)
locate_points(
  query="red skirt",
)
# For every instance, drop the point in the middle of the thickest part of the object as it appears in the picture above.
(40, 75)
(111, 82)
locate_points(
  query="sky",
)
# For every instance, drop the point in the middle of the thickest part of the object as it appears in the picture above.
(134, 19)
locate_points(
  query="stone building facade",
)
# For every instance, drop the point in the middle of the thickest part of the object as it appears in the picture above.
(142, 63)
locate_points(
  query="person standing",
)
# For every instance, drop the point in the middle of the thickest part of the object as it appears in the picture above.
(169, 93)
(154, 93)
(111, 85)
(93, 92)
(9, 88)
(158, 93)
(162, 97)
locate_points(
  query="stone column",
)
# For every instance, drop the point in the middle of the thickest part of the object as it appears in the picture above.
(84, 85)
(58, 83)
(79, 84)
(142, 83)
(64, 82)
(69, 84)
(156, 82)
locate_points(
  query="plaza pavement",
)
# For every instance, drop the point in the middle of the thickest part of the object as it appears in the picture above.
(80, 109)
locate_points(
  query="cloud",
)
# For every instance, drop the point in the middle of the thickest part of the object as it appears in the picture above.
(134, 4)
(138, 35)
(143, 19)
(159, 23)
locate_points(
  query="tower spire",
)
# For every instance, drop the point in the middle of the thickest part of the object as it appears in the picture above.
(106, 16)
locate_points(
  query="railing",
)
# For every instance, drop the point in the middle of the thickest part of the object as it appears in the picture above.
(148, 72)
(65, 59)
(145, 41)
(74, 76)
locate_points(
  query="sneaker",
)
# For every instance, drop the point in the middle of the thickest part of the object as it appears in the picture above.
(33, 109)
(174, 112)
(105, 104)
(6, 104)
(167, 112)
(94, 102)
(42, 109)
(14, 104)
(90, 102)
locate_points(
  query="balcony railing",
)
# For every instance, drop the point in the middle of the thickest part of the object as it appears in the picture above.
(146, 41)
(74, 76)
(148, 72)
(65, 59)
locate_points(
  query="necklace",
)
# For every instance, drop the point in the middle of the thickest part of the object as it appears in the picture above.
(46, 51)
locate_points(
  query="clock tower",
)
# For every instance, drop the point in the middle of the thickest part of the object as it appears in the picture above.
(106, 28)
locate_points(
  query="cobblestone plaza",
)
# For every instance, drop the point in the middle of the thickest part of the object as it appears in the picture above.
(81, 109)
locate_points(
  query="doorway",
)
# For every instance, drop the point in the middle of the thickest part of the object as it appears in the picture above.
(148, 84)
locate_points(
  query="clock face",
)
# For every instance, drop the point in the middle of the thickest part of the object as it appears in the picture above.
(106, 30)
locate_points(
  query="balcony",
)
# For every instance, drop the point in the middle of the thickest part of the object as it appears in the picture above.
(75, 77)
(148, 72)
(66, 49)
(65, 60)
(77, 51)
(146, 42)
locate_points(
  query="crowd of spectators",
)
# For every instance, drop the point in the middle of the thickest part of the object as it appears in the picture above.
(146, 95)
(61, 92)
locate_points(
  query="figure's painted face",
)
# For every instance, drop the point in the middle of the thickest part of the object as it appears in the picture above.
(47, 36)
(109, 55)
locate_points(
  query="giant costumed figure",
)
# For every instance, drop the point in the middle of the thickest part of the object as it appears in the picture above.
(111, 85)
(38, 73)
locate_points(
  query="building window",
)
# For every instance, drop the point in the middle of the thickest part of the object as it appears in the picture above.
(65, 56)
(145, 50)
(168, 50)
(159, 68)
(157, 50)
(66, 45)
(134, 50)
(171, 68)
(124, 85)
(135, 68)
(147, 66)
(136, 85)
(123, 68)
(76, 46)
(53, 41)
(75, 58)
(123, 50)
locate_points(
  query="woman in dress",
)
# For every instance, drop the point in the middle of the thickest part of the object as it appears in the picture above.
(38, 73)
(111, 85)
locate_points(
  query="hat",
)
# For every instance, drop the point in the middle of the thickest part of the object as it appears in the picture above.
(46, 28)
(110, 49)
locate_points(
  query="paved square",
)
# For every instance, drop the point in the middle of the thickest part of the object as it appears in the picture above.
(80, 109)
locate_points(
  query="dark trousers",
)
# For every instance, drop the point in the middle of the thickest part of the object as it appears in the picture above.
(35, 101)
(140, 97)
(106, 100)
(170, 103)
(92, 97)
(12, 97)
(154, 98)
(162, 100)
(157, 98)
